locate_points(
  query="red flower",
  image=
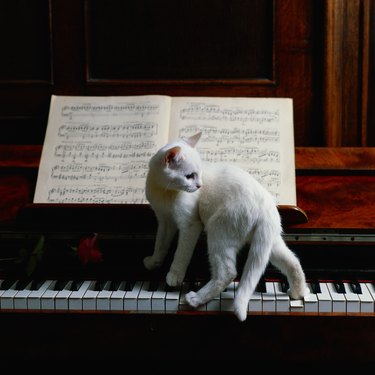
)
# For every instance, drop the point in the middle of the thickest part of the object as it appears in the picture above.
(88, 250)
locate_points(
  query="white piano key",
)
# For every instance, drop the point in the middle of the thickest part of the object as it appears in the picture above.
(89, 297)
(76, 296)
(338, 299)
(255, 302)
(103, 298)
(116, 301)
(324, 299)
(144, 298)
(34, 300)
(7, 298)
(311, 303)
(352, 299)
(297, 305)
(371, 289)
(158, 298)
(172, 299)
(366, 301)
(20, 298)
(268, 298)
(48, 297)
(62, 297)
(131, 296)
(283, 302)
(214, 304)
(227, 297)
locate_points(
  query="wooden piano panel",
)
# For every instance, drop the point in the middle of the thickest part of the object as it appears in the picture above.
(270, 341)
(336, 188)
(338, 202)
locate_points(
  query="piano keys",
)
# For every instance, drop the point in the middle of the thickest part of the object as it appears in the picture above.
(270, 297)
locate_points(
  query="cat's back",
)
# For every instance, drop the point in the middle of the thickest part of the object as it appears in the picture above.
(226, 185)
(225, 178)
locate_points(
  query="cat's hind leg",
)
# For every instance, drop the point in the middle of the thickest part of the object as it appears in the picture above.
(223, 270)
(288, 263)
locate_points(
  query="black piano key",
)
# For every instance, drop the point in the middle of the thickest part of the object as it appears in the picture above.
(36, 284)
(315, 287)
(76, 284)
(169, 288)
(284, 286)
(99, 285)
(129, 285)
(6, 284)
(22, 284)
(339, 286)
(355, 286)
(115, 284)
(153, 286)
(60, 284)
(261, 287)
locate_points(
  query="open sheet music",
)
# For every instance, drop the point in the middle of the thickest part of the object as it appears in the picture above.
(97, 149)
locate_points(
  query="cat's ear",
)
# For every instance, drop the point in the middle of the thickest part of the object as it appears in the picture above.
(174, 154)
(193, 140)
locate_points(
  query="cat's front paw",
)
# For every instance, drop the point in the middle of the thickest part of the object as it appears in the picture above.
(174, 278)
(192, 299)
(150, 263)
(298, 293)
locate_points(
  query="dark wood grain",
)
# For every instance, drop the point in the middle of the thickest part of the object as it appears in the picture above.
(277, 55)
(344, 160)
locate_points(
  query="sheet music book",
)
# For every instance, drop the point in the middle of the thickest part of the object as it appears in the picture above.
(97, 149)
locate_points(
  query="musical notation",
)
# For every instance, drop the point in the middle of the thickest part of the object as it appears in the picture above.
(100, 173)
(97, 149)
(99, 194)
(99, 152)
(129, 130)
(254, 147)
(199, 111)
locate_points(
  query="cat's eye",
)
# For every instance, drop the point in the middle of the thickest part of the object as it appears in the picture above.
(190, 176)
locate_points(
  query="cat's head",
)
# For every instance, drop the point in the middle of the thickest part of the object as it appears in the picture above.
(178, 165)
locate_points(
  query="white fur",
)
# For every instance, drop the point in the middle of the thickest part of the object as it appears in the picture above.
(234, 210)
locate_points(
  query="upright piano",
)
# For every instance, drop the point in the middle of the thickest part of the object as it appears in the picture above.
(53, 306)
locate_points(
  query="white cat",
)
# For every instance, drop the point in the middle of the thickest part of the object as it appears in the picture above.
(233, 209)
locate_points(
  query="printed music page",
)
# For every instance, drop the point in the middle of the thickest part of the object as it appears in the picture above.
(97, 149)
(254, 133)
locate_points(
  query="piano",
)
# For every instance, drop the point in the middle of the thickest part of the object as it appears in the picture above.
(64, 308)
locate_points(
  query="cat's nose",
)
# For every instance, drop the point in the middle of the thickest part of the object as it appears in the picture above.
(198, 186)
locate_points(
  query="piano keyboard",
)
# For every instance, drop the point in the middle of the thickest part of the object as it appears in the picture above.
(157, 297)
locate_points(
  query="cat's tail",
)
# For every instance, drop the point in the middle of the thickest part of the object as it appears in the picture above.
(259, 254)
